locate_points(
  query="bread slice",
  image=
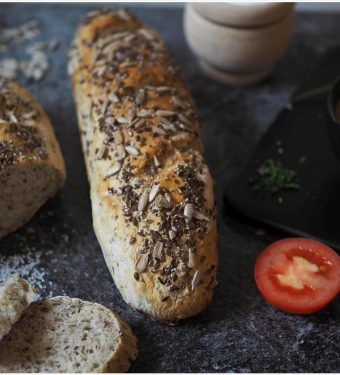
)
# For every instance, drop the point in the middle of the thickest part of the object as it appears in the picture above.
(15, 295)
(64, 334)
(32, 168)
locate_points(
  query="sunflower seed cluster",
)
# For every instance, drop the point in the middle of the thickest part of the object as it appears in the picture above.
(18, 118)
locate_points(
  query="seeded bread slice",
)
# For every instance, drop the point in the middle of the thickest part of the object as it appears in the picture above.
(64, 334)
(15, 295)
(32, 168)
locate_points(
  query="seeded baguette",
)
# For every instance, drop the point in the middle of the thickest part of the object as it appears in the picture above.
(151, 190)
(16, 294)
(64, 334)
(31, 165)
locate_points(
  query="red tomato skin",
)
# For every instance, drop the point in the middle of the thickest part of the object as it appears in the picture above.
(321, 250)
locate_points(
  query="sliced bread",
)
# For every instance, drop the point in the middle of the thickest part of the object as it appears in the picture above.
(15, 295)
(64, 334)
(32, 168)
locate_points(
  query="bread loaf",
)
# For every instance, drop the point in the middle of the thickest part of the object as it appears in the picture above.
(64, 334)
(31, 165)
(15, 295)
(151, 190)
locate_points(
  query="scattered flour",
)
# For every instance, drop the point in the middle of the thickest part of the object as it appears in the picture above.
(27, 265)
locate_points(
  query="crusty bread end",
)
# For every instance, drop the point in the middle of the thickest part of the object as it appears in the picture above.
(64, 334)
(15, 295)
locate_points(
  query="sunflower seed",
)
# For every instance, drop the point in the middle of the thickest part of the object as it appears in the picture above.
(153, 193)
(101, 152)
(178, 102)
(184, 127)
(165, 113)
(119, 139)
(127, 64)
(113, 98)
(162, 89)
(157, 250)
(144, 113)
(161, 202)
(159, 131)
(12, 117)
(122, 120)
(200, 216)
(130, 116)
(209, 226)
(167, 196)
(123, 14)
(137, 123)
(142, 263)
(29, 115)
(191, 261)
(129, 38)
(148, 34)
(143, 201)
(168, 125)
(132, 150)
(165, 121)
(196, 279)
(140, 97)
(184, 119)
(156, 161)
(172, 234)
(188, 211)
(113, 170)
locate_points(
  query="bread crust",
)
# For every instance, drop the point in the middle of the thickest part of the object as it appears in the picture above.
(151, 191)
(27, 142)
(16, 294)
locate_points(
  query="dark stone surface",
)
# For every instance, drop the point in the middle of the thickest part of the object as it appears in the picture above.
(239, 331)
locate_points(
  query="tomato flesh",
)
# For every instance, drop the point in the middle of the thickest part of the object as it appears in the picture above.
(298, 275)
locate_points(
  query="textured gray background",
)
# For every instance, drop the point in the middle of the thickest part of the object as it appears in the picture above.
(239, 331)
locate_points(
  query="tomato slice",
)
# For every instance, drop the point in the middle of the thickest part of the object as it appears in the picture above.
(298, 275)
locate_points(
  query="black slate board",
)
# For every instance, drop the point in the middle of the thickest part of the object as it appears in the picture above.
(300, 140)
(239, 331)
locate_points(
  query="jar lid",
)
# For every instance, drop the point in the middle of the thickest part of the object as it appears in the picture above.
(244, 14)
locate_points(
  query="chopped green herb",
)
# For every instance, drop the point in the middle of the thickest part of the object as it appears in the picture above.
(272, 178)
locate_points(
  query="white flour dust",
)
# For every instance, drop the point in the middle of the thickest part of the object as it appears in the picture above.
(27, 265)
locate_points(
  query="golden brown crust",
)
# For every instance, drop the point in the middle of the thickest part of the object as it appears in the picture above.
(151, 191)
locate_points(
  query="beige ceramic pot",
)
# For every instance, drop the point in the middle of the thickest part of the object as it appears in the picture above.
(237, 55)
(244, 14)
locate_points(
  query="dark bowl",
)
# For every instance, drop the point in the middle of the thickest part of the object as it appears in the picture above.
(333, 124)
